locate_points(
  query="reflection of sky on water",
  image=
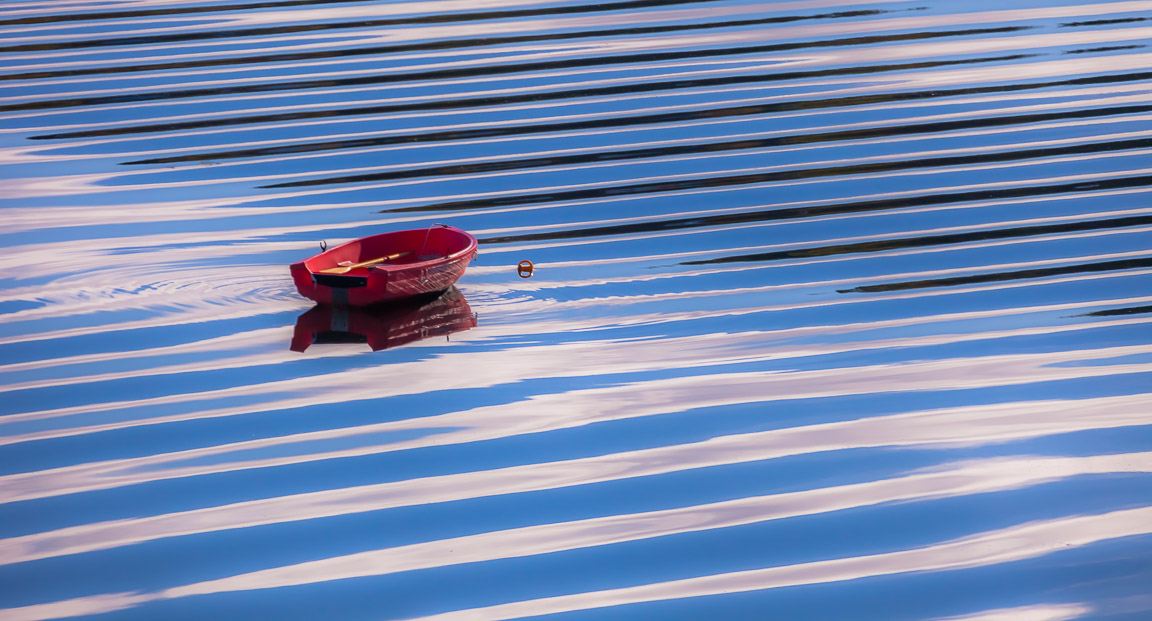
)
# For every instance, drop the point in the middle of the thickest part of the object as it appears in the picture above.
(840, 310)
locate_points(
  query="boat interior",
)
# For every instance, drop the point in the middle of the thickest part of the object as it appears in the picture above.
(395, 248)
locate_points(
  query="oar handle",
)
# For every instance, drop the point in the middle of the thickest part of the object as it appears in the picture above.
(349, 268)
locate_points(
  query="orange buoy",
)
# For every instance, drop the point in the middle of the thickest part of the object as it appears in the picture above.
(525, 269)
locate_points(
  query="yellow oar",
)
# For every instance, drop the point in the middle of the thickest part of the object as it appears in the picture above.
(347, 268)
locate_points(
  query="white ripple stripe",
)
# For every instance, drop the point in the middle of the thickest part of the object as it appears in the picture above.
(1039, 612)
(965, 479)
(1003, 546)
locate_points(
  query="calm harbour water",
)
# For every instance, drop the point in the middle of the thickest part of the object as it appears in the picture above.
(841, 311)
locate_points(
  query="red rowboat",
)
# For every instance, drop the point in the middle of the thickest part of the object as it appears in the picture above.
(385, 326)
(386, 267)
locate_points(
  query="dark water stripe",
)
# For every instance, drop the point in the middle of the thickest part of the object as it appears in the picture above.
(1105, 22)
(784, 175)
(1083, 268)
(807, 104)
(1114, 48)
(854, 207)
(495, 70)
(1112, 312)
(497, 132)
(376, 23)
(427, 46)
(713, 147)
(191, 10)
(933, 240)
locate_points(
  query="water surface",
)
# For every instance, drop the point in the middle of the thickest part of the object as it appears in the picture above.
(841, 310)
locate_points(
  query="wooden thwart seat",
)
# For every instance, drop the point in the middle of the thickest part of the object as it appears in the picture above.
(347, 268)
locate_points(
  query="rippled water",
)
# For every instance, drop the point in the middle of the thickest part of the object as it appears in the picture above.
(841, 310)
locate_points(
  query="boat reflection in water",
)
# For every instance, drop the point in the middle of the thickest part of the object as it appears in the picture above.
(385, 326)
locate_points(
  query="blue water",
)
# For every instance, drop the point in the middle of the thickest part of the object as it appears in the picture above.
(841, 310)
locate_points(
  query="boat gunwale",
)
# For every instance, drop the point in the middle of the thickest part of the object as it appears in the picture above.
(472, 246)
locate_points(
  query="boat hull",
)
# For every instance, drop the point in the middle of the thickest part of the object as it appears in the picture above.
(432, 260)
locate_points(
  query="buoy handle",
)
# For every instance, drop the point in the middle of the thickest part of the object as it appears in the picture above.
(524, 269)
